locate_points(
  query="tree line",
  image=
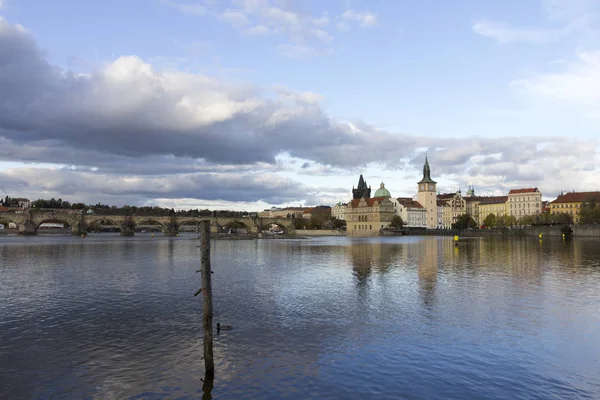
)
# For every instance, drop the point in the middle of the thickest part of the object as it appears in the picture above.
(105, 209)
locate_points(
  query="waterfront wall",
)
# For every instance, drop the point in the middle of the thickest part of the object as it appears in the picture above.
(546, 231)
(314, 232)
(554, 231)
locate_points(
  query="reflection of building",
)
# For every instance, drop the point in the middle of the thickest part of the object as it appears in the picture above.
(428, 268)
(426, 195)
(366, 257)
(570, 203)
(522, 202)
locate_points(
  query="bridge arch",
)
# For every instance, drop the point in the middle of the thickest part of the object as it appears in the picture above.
(6, 220)
(54, 220)
(272, 225)
(189, 222)
(97, 222)
(233, 224)
(152, 222)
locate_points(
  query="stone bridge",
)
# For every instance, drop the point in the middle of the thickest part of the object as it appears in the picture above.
(29, 221)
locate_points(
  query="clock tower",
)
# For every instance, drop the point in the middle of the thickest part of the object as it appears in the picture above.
(427, 196)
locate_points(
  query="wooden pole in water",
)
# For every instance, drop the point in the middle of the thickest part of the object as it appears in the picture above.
(209, 364)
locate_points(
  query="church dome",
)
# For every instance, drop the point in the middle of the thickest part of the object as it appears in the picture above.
(382, 191)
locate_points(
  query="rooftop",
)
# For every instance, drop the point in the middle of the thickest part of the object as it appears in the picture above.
(526, 190)
(370, 202)
(576, 197)
(409, 203)
(494, 200)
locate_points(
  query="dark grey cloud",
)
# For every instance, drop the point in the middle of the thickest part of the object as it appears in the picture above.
(91, 186)
(130, 109)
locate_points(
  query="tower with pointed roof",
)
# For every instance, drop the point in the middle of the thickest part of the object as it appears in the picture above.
(362, 191)
(427, 195)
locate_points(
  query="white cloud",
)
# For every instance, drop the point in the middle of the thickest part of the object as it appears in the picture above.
(193, 8)
(257, 30)
(504, 34)
(577, 85)
(236, 18)
(365, 19)
(561, 19)
(299, 51)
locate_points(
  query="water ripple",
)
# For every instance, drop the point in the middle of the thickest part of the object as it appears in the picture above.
(111, 318)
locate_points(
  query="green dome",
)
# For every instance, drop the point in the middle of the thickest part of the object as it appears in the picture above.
(382, 191)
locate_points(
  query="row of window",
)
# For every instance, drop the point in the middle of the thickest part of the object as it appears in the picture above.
(521, 199)
(566, 205)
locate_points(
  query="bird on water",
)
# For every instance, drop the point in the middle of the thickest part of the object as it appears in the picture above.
(223, 327)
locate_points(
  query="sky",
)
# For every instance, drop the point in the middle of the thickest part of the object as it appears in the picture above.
(248, 104)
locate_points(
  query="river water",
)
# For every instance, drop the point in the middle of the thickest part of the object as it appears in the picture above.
(107, 317)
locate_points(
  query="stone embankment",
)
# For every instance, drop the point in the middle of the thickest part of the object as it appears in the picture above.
(323, 232)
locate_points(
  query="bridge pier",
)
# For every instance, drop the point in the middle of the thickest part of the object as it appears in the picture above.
(28, 228)
(171, 229)
(79, 228)
(128, 227)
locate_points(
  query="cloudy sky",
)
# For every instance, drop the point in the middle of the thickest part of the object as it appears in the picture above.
(244, 104)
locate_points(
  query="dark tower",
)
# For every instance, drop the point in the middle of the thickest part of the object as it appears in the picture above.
(362, 190)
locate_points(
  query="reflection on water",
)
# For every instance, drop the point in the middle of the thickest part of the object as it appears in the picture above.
(406, 317)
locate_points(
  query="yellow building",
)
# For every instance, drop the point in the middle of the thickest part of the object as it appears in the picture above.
(454, 206)
(492, 205)
(367, 216)
(570, 203)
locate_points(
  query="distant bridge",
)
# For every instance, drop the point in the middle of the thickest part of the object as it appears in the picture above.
(28, 222)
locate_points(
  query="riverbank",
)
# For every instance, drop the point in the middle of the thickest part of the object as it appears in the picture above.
(546, 231)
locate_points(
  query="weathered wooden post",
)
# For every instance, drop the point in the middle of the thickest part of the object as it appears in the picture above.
(209, 364)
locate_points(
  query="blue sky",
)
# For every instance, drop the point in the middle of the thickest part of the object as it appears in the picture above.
(502, 94)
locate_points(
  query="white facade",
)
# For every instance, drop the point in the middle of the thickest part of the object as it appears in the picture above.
(417, 217)
(339, 211)
(522, 202)
(412, 213)
(440, 215)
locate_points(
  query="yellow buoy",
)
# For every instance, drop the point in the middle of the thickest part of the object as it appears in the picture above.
(152, 234)
(540, 235)
(456, 238)
(82, 235)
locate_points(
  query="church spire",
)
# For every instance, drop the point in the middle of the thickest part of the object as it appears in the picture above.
(426, 172)
(362, 190)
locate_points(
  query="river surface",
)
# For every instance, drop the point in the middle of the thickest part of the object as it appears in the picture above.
(107, 317)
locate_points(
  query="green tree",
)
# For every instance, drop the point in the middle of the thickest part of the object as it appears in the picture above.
(590, 212)
(464, 221)
(526, 220)
(397, 222)
(490, 221)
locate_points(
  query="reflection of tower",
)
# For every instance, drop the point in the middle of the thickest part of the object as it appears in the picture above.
(427, 197)
(428, 268)
(361, 255)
